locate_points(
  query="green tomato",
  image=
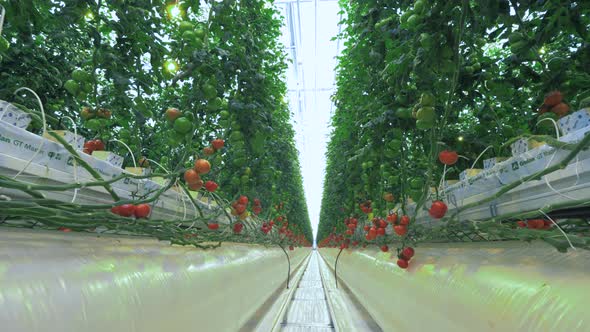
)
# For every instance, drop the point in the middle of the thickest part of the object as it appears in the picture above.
(404, 18)
(185, 26)
(413, 21)
(404, 113)
(397, 133)
(87, 87)
(200, 33)
(423, 125)
(4, 44)
(72, 87)
(416, 183)
(189, 36)
(394, 144)
(244, 180)
(93, 124)
(419, 6)
(235, 181)
(224, 115)
(427, 99)
(426, 40)
(214, 104)
(183, 125)
(79, 75)
(239, 162)
(426, 114)
(209, 91)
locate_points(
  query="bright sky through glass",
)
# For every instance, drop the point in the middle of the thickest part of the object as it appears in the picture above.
(310, 80)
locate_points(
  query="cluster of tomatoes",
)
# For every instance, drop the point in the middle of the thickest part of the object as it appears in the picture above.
(193, 176)
(216, 145)
(535, 224)
(130, 210)
(238, 207)
(366, 207)
(93, 145)
(404, 257)
(351, 224)
(553, 103)
(400, 225)
(257, 208)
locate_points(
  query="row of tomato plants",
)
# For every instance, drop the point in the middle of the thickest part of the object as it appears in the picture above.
(421, 83)
(171, 80)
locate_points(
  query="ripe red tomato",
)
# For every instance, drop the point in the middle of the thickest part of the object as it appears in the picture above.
(366, 228)
(257, 202)
(438, 209)
(202, 166)
(115, 210)
(217, 143)
(211, 186)
(127, 210)
(291, 248)
(142, 210)
(65, 229)
(404, 221)
(400, 230)
(240, 208)
(521, 224)
(392, 218)
(351, 226)
(196, 186)
(408, 253)
(373, 232)
(384, 248)
(380, 231)
(208, 151)
(402, 263)
(382, 223)
(349, 232)
(191, 176)
(448, 157)
(213, 226)
(243, 200)
(238, 227)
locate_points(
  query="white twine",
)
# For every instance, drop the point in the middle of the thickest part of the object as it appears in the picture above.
(75, 162)
(554, 125)
(481, 154)
(2, 14)
(44, 129)
(561, 230)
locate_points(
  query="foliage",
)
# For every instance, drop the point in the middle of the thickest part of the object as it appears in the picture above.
(218, 62)
(483, 65)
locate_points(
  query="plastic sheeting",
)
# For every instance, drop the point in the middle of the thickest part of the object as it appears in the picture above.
(501, 286)
(73, 282)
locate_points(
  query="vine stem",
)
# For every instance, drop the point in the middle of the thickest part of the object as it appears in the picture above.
(84, 164)
(336, 267)
(289, 265)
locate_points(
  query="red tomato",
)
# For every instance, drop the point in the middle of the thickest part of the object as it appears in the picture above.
(521, 224)
(438, 209)
(191, 176)
(115, 210)
(291, 248)
(380, 231)
(402, 263)
(142, 211)
(238, 227)
(384, 248)
(448, 157)
(196, 186)
(243, 200)
(208, 151)
(382, 223)
(408, 253)
(202, 166)
(392, 218)
(404, 221)
(217, 143)
(127, 210)
(211, 186)
(366, 228)
(400, 230)
(213, 226)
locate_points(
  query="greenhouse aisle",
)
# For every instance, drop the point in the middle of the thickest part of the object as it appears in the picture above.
(308, 309)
